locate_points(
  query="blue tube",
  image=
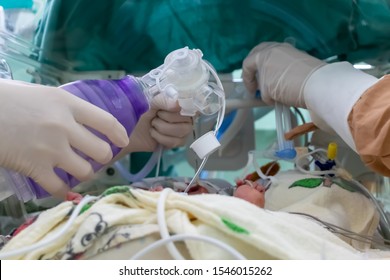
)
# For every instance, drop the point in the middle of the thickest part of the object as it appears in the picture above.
(226, 123)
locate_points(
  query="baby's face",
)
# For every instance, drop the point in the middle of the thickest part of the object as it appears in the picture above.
(252, 192)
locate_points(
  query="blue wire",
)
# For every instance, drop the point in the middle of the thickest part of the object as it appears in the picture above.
(226, 123)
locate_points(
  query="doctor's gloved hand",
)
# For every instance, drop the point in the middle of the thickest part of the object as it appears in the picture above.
(162, 124)
(41, 126)
(279, 71)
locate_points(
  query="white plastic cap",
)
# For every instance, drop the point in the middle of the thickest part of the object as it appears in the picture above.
(205, 145)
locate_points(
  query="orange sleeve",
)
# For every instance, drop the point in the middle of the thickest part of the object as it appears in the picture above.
(369, 122)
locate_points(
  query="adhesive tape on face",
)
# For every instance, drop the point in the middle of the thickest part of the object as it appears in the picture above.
(205, 145)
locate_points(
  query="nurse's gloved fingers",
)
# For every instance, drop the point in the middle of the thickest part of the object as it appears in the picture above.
(100, 120)
(90, 144)
(249, 71)
(50, 181)
(76, 166)
(167, 141)
(180, 130)
(172, 117)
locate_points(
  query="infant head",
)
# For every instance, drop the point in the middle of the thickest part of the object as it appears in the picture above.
(252, 192)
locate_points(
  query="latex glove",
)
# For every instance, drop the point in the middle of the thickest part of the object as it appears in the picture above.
(162, 124)
(42, 125)
(279, 71)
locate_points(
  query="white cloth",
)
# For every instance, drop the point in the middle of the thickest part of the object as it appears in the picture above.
(328, 201)
(254, 232)
(330, 94)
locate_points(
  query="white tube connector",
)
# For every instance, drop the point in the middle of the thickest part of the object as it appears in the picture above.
(205, 145)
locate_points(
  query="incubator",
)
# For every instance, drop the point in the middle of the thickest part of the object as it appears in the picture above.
(234, 134)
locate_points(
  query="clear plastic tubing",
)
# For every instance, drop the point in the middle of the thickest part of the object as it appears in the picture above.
(123, 98)
(283, 124)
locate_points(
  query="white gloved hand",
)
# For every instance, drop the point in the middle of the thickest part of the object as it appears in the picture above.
(42, 125)
(294, 78)
(162, 124)
(279, 71)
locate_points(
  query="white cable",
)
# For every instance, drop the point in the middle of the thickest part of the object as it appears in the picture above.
(341, 172)
(164, 233)
(159, 150)
(54, 237)
(181, 237)
(384, 221)
(201, 166)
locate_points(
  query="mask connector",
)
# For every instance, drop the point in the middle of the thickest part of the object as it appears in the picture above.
(185, 77)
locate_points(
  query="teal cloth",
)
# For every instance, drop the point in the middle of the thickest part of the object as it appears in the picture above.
(136, 35)
(16, 4)
(138, 161)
